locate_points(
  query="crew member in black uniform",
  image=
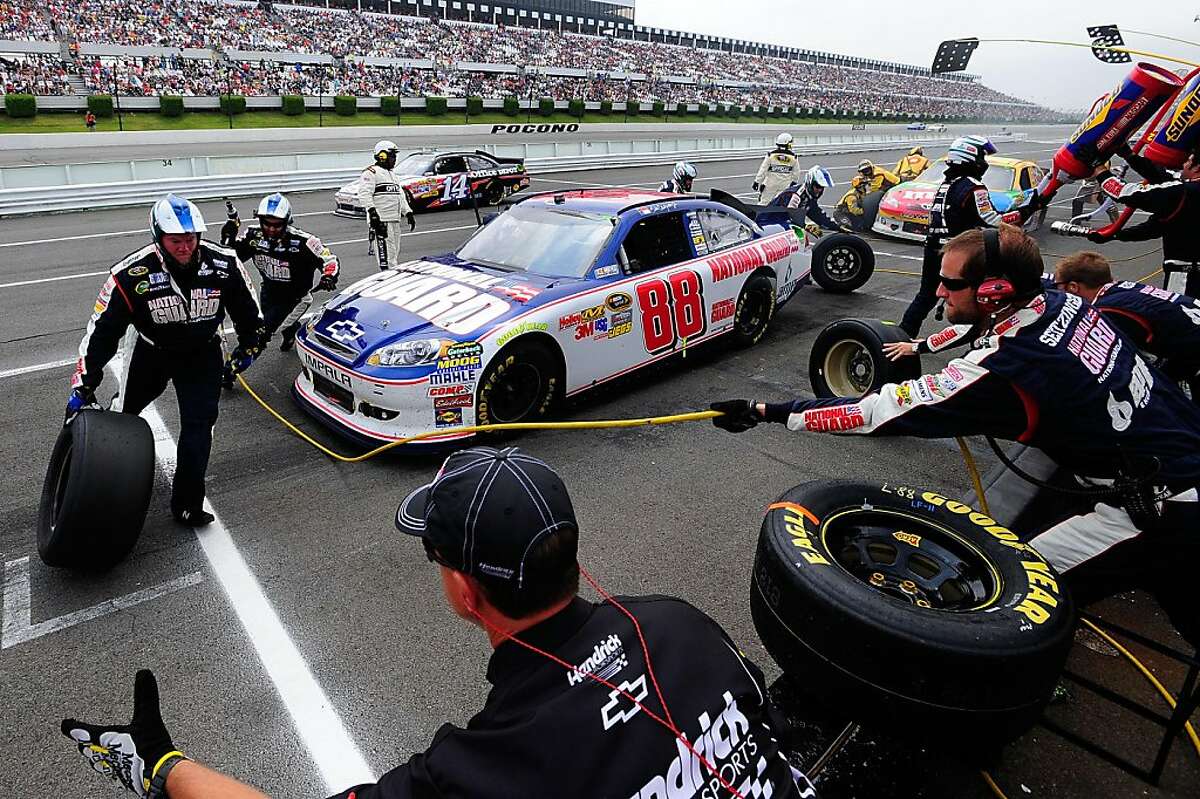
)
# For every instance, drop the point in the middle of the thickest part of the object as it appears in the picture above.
(576, 685)
(288, 258)
(1174, 207)
(175, 293)
(962, 202)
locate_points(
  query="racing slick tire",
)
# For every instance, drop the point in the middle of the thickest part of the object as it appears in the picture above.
(909, 611)
(754, 311)
(522, 383)
(847, 358)
(97, 491)
(842, 263)
(493, 193)
(870, 210)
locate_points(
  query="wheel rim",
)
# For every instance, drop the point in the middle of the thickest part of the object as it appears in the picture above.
(60, 486)
(842, 263)
(849, 368)
(752, 312)
(912, 559)
(516, 393)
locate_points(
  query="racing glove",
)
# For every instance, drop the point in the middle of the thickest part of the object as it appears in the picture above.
(755, 186)
(813, 229)
(377, 224)
(240, 359)
(412, 221)
(737, 416)
(845, 228)
(140, 754)
(1096, 237)
(79, 399)
(327, 283)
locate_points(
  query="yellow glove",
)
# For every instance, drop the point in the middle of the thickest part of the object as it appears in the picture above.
(812, 229)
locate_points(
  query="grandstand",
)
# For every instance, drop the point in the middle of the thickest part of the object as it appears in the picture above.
(561, 49)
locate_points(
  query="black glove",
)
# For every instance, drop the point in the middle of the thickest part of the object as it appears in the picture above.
(138, 754)
(79, 399)
(755, 186)
(327, 283)
(1095, 237)
(377, 224)
(737, 416)
(412, 221)
(1125, 151)
(229, 231)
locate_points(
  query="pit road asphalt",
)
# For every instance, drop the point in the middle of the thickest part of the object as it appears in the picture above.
(672, 509)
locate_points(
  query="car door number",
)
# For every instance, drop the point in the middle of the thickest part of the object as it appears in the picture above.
(456, 188)
(672, 310)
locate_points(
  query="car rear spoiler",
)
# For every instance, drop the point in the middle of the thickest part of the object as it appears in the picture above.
(501, 159)
(761, 214)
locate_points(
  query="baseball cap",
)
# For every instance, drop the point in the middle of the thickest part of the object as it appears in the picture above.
(486, 509)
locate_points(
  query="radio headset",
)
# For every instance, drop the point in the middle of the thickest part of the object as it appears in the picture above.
(994, 292)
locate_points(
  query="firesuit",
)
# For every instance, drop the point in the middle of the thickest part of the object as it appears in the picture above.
(289, 265)
(794, 196)
(910, 166)
(177, 313)
(779, 169)
(1057, 376)
(384, 200)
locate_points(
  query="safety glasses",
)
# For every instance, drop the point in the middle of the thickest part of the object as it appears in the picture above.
(954, 283)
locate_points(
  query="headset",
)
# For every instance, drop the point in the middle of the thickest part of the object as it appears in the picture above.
(993, 292)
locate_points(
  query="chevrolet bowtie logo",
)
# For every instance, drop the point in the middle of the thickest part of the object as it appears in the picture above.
(346, 331)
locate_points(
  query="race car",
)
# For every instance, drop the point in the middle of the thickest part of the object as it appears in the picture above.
(904, 210)
(445, 179)
(915, 126)
(936, 127)
(558, 293)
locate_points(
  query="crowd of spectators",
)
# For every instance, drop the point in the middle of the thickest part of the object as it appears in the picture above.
(36, 74)
(223, 26)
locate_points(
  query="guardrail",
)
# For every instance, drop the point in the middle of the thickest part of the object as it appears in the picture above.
(131, 189)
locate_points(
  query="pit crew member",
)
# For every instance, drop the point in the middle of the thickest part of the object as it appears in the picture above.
(289, 260)
(779, 169)
(386, 203)
(175, 293)
(1174, 207)
(680, 182)
(574, 684)
(805, 195)
(911, 165)
(1050, 372)
(961, 203)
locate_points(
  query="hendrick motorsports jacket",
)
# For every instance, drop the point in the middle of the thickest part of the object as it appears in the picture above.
(378, 189)
(552, 731)
(290, 260)
(169, 309)
(1054, 375)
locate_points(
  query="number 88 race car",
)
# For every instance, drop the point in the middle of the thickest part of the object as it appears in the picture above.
(561, 292)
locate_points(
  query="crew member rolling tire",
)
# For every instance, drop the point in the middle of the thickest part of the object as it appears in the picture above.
(97, 491)
(916, 612)
(755, 309)
(522, 383)
(848, 360)
(842, 263)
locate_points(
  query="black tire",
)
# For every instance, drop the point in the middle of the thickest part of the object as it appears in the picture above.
(842, 263)
(870, 210)
(493, 193)
(522, 383)
(847, 358)
(754, 312)
(97, 491)
(910, 611)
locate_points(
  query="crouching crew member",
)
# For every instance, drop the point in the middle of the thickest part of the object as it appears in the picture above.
(175, 293)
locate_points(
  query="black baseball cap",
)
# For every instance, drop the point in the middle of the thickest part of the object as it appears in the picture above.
(485, 510)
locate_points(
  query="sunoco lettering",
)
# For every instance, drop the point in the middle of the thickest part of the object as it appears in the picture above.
(1034, 606)
(1184, 116)
(795, 526)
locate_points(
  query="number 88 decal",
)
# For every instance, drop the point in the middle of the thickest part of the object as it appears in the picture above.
(672, 309)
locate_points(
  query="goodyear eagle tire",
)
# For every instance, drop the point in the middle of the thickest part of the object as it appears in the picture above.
(754, 310)
(842, 263)
(847, 358)
(522, 383)
(97, 491)
(910, 611)
(493, 193)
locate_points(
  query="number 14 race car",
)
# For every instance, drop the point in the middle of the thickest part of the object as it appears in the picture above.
(445, 180)
(561, 292)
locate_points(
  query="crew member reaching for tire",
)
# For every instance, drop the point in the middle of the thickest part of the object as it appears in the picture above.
(288, 258)
(386, 203)
(1050, 372)
(779, 169)
(805, 195)
(175, 293)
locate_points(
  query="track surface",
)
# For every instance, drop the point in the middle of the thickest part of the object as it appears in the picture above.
(673, 509)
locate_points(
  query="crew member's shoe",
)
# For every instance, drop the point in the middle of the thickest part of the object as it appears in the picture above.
(197, 517)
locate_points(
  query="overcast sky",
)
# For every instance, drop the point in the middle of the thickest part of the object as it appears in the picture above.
(909, 31)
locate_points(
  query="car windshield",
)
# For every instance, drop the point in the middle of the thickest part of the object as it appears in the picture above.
(997, 178)
(414, 165)
(541, 239)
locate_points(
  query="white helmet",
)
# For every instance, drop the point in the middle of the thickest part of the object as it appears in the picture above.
(275, 206)
(174, 214)
(784, 140)
(682, 170)
(816, 180)
(865, 166)
(384, 147)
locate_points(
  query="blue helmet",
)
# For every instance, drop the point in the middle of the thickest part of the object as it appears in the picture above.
(275, 206)
(174, 214)
(816, 180)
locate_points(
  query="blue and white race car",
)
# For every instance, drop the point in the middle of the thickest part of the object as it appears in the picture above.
(561, 292)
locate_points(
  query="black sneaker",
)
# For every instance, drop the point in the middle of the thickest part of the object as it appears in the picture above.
(287, 343)
(194, 518)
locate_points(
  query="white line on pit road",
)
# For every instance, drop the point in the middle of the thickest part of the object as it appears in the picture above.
(18, 624)
(329, 744)
(37, 367)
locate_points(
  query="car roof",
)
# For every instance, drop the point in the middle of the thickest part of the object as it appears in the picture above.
(443, 153)
(610, 201)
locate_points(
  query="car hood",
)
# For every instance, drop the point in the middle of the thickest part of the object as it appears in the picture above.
(916, 198)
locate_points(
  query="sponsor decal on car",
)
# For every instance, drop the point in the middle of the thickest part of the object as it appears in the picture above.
(449, 305)
(325, 370)
(722, 310)
(746, 259)
(519, 292)
(449, 391)
(618, 302)
(620, 324)
(596, 330)
(467, 355)
(523, 327)
(457, 401)
(578, 317)
(452, 376)
(608, 271)
(911, 539)
(450, 417)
